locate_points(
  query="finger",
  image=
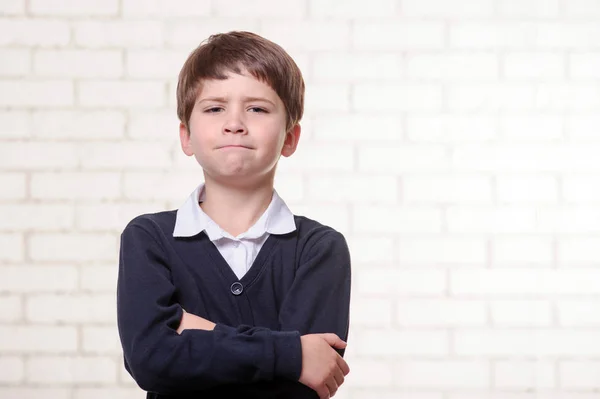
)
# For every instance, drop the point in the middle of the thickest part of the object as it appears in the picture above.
(331, 386)
(334, 340)
(339, 376)
(323, 392)
(342, 365)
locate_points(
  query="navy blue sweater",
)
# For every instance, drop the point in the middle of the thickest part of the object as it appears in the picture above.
(298, 284)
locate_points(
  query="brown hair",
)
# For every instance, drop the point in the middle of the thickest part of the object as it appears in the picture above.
(233, 52)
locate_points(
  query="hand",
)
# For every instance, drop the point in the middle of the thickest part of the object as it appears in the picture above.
(192, 322)
(323, 369)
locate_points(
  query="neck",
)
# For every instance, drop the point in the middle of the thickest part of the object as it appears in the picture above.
(236, 208)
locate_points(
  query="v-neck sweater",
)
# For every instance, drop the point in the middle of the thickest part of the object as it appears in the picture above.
(298, 284)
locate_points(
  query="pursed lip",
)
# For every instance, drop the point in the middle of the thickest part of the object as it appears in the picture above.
(234, 146)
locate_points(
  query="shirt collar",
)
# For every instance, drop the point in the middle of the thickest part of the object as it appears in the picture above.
(191, 219)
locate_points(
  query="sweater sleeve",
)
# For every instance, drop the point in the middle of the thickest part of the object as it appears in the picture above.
(319, 298)
(159, 359)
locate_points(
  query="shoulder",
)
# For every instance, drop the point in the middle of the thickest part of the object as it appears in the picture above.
(155, 224)
(314, 236)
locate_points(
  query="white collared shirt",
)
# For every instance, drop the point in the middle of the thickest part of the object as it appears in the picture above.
(239, 252)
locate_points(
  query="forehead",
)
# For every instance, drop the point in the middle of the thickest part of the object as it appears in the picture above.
(243, 84)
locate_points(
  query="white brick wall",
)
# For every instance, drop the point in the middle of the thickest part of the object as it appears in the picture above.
(455, 143)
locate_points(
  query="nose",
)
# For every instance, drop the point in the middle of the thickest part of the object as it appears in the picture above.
(234, 124)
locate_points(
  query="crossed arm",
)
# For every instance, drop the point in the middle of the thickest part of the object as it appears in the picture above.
(162, 358)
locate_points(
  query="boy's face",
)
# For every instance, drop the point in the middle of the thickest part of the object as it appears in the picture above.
(237, 129)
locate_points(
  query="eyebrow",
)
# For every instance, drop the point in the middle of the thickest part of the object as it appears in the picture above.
(245, 99)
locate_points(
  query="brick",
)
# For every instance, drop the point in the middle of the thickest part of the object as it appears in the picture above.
(155, 64)
(308, 35)
(15, 124)
(400, 282)
(440, 128)
(579, 374)
(521, 313)
(482, 66)
(14, 186)
(567, 35)
(582, 8)
(351, 9)
(25, 93)
(371, 312)
(12, 369)
(524, 282)
(78, 63)
(320, 158)
(72, 247)
(578, 251)
(388, 219)
(112, 217)
(289, 186)
(335, 216)
(71, 370)
(370, 249)
(400, 159)
(529, 251)
(397, 97)
(15, 62)
(160, 9)
(62, 308)
(293, 9)
(446, 189)
(440, 313)
(522, 395)
(431, 374)
(584, 65)
(101, 278)
(560, 96)
(35, 393)
(187, 35)
(38, 217)
(67, 124)
(356, 127)
(446, 251)
(578, 313)
(370, 373)
(74, 7)
(524, 158)
(133, 155)
(49, 278)
(438, 8)
(120, 34)
(107, 392)
(360, 67)
(321, 98)
(31, 32)
(490, 97)
(26, 339)
(577, 220)
(582, 126)
(13, 247)
(527, 189)
(37, 155)
(529, 9)
(101, 340)
(462, 219)
(153, 125)
(12, 7)
(339, 188)
(392, 343)
(532, 127)
(10, 308)
(121, 94)
(91, 186)
(530, 342)
(383, 35)
(515, 374)
(534, 66)
(379, 393)
(490, 35)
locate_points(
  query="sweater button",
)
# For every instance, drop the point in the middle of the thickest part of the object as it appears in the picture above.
(237, 288)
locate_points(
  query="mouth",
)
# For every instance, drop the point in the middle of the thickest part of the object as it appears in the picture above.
(234, 146)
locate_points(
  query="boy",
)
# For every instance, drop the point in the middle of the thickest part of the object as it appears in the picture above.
(232, 294)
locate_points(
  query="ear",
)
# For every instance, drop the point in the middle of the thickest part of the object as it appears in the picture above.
(291, 141)
(186, 140)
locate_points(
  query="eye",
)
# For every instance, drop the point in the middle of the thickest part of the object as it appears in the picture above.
(258, 109)
(213, 110)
